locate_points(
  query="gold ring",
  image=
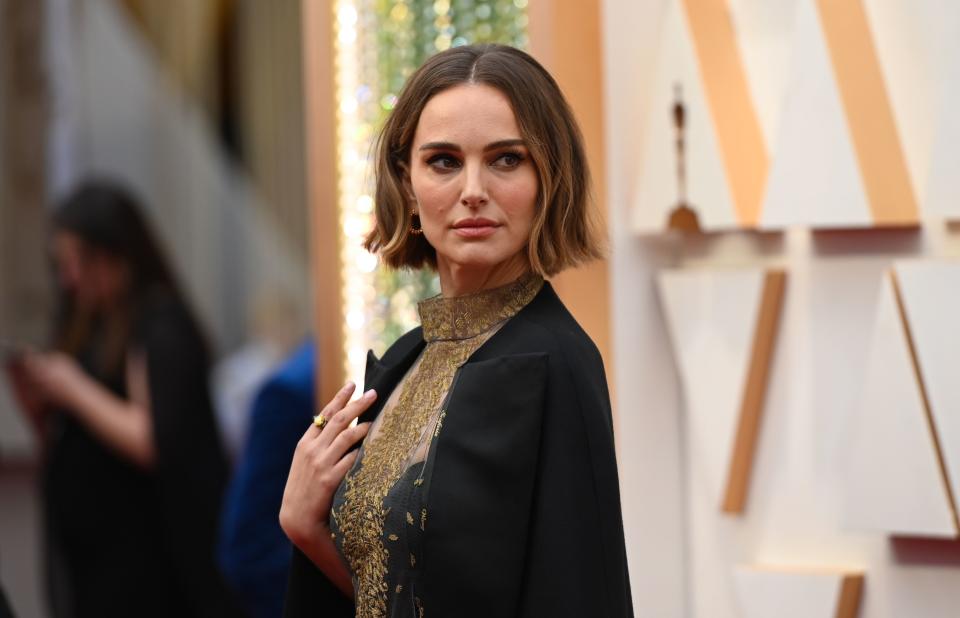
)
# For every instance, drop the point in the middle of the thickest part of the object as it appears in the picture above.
(320, 421)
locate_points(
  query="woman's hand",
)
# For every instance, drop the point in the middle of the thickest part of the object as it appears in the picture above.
(320, 462)
(125, 426)
(56, 377)
(27, 393)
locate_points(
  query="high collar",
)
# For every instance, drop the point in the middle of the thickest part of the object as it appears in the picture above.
(463, 317)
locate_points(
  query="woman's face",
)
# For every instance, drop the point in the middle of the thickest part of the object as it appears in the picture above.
(473, 181)
(95, 280)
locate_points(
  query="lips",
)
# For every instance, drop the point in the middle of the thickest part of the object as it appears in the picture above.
(476, 227)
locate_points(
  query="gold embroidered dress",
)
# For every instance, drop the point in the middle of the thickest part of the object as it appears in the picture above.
(380, 511)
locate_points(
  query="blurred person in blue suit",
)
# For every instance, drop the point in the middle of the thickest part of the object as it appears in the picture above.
(254, 553)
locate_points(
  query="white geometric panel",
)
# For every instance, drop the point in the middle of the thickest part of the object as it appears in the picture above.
(911, 44)
(892, 481)
(943, 183)
(765, 35)
(800, 593)
(707, 189)
(814, 176)
(711, 318)
(931, 299)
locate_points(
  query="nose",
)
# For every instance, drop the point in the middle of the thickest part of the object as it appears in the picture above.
(473, 194)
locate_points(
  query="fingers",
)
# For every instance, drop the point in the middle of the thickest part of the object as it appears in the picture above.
(339, 400)
(342, 418)
(329, 411)
(319, 463)
(347, 438)
(343, 466)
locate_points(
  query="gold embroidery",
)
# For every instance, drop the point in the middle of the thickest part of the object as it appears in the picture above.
(418, 483)
(399, 588)
(452, 328)
(465, 317)
(393, 537)
(423, 519)
(443, 414)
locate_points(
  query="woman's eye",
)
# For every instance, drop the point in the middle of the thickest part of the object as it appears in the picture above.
(443, 162)
(508, 160)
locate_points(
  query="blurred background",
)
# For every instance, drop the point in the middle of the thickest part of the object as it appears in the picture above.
(199, 109)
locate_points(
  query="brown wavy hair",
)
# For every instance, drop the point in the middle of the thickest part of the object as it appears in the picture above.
(564, 231)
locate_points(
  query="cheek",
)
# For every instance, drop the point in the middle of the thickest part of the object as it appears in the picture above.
(435, 200)
(519, 201)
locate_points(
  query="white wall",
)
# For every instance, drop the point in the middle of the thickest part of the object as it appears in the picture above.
(648, 420)
(682, 550)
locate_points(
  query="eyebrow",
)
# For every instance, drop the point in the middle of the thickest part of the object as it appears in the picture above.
(504, 143)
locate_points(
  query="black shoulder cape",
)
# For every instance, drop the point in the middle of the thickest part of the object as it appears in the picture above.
(525, 515)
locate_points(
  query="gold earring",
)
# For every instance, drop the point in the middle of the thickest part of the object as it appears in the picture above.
(415, 228)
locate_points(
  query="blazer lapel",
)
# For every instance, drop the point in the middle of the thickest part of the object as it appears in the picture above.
(383, 377)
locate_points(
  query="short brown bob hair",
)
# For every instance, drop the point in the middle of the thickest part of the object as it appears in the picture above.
(564, 229)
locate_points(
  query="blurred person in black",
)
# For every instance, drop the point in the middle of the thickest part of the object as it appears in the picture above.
(5, 611)
(133, 467)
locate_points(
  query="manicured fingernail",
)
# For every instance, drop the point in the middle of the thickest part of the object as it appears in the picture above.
(369, 394)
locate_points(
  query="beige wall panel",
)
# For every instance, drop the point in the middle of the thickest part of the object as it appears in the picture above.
(765, 71)
(565, 37)
(325, 235)
(868, 111)
(731, 104)
(656, 190)
(913, 51)
(815, 176)
(930, 305)
(764, 35)
(723, 327)
(765, 592)
(942, 197)
(893, 480)
(754, 391)
(648, 422)
(796, 508)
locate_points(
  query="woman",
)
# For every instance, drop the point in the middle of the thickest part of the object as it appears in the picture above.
(486, 484)
(133, 469)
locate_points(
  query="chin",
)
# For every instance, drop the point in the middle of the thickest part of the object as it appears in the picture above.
(481, 258)
(475, 256)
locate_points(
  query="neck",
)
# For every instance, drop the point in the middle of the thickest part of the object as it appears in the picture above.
(460, 279)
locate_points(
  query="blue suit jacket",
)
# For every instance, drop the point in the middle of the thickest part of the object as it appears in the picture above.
(254, 553)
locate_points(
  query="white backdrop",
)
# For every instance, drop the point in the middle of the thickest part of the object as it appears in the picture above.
(683, 552)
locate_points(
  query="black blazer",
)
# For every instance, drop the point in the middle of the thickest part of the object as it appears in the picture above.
(524, 500)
